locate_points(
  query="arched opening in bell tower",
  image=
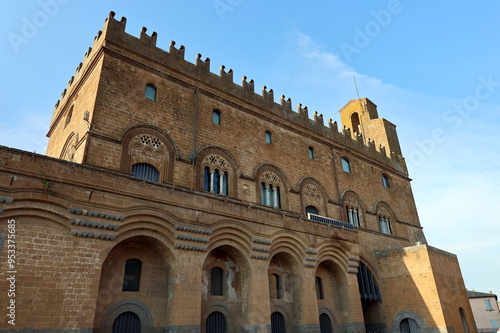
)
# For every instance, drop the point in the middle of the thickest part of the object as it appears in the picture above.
(355, 123)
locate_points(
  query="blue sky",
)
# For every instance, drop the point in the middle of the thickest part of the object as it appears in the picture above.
(431, 67)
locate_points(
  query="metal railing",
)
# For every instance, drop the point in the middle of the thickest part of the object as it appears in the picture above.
(329, 221)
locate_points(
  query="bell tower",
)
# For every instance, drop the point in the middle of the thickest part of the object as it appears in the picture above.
(361, 117)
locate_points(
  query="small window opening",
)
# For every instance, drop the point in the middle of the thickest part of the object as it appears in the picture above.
(311, 153)
(132, 275)
(312, 210)
(346, 165)
(216, 281)
(216, 117)
(150, 92)
(269, 137)
(385, 180)
(68, 117)
(319, 288)
(275, 286)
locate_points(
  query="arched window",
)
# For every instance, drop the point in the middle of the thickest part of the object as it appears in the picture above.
(325, 324)
(215, 181)
(146, 172)
(216, 172)
(319, 288)
(312, 210)
(270, 186)
(311, 153)
(216, 281)
(132, 276)
(268, 137)
(385, 180)
(127, 322)
(270, 195)
(385, 226)
(216, 323)
(355, 122)
(408, 325)
(346, 165)
(275, 286)
(277, 323)
(150, 92)
(68, 117)
(353, 216)
(216, 117)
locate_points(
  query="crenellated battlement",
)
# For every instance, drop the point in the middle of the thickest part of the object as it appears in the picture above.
(114, 39)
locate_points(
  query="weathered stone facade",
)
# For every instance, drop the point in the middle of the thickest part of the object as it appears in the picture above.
(157, 162)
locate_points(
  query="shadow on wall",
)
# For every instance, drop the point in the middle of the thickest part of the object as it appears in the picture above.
(423, 291)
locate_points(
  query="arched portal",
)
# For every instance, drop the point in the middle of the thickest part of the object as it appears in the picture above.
(136, 274)
(216, 323)
(371, 299)
(278, 324)
(224, 296)
(127, 322)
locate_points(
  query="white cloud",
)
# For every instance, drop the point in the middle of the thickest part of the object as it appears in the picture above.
(27, 132)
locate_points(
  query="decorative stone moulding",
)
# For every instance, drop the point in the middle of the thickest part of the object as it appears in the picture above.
(79, 211)
(193, 230)
(94, 224)
(260, 249)
(86, 234)
(192, 239)
(262, 241)
(259, 257)
(190, 247)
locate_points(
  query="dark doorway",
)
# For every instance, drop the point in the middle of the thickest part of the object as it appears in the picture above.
(325, 324)
(216, 323)
(127, 322)
(277, 323)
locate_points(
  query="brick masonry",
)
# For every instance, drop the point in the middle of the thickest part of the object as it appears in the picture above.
(80, 214)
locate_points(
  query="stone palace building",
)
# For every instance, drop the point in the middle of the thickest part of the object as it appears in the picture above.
(173, 200)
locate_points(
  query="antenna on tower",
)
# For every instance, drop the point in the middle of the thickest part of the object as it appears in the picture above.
(363, 105)
(363, 110)
(356, 85)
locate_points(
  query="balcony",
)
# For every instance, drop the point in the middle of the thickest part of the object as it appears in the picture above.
(329, 221)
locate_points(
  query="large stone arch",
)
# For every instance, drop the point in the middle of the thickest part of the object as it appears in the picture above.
(335, 288)
(157, 281)
(286, 276)
(233, 262)
(372, 303)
